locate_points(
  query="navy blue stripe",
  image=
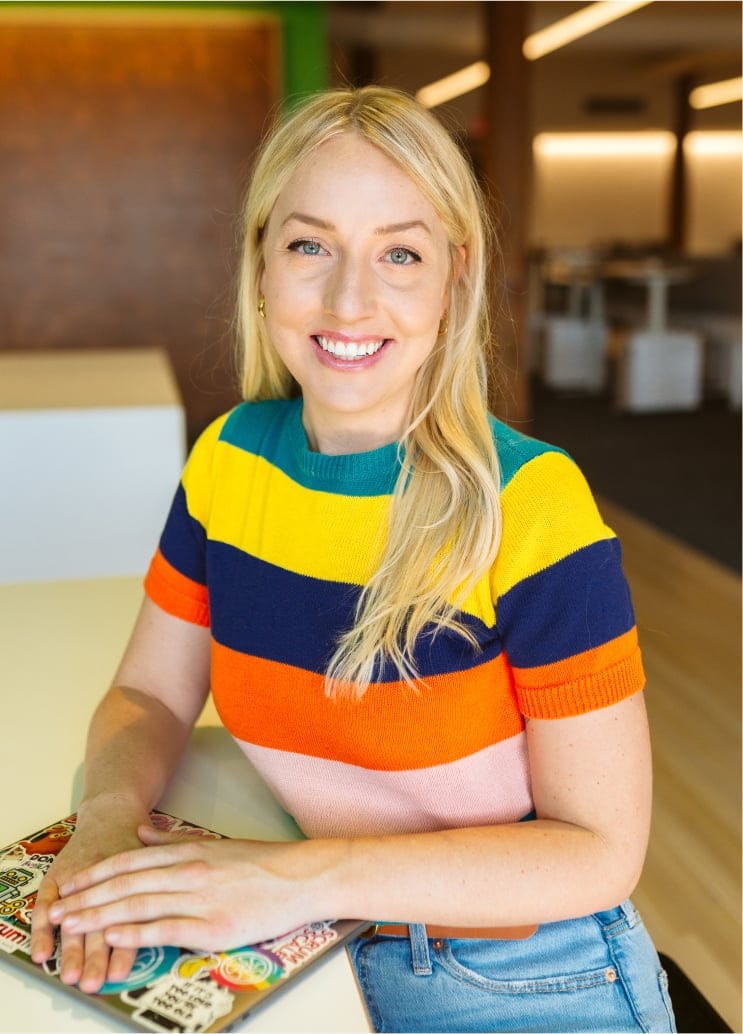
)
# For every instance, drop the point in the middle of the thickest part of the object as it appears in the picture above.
(262, 610)
(183, 541)
(578, 603)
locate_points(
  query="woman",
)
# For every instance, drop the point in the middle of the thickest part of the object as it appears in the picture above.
(412, 619)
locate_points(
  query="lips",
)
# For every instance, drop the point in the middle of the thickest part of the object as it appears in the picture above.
(349, 350)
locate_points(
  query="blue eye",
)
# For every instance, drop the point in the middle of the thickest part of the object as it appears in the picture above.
(403, 256)
(305, 247)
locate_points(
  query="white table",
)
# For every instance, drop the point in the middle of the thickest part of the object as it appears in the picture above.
(657, 276)
(575, 342)
(92, 443)
(59, 644)
(660, 368)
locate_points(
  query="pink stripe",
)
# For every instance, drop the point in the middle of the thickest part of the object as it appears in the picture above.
(332, 798)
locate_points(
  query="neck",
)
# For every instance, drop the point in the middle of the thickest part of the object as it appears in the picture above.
(347, 435)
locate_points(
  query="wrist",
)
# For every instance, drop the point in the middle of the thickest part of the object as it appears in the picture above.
(123, 806)
(329, 882)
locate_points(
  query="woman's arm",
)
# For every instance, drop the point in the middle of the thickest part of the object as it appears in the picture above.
(135, 740)
(591, 782)
(140, 729)
(592, 786)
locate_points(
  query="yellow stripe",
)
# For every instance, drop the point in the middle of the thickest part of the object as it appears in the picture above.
(260, 510)
(197, 478)
(548, 513)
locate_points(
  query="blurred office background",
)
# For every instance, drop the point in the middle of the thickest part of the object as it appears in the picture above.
(126, 136)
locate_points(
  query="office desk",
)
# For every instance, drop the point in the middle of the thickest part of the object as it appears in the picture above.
(657, 276)
(59, 644)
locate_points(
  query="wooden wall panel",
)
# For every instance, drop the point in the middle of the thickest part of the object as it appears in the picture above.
(507, 167)
(124, 151)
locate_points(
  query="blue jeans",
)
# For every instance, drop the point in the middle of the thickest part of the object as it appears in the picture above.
(597, 973)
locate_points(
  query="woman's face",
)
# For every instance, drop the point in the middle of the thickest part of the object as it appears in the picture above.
(356, 283)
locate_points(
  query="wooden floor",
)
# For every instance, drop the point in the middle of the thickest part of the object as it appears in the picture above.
(689, 617)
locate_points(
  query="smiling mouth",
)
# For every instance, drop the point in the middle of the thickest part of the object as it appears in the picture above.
(350, 350)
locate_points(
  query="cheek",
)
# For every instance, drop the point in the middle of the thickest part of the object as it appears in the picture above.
(288, 294)
(421, 310)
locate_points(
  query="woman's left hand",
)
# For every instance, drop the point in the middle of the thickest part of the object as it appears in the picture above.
(193, 892)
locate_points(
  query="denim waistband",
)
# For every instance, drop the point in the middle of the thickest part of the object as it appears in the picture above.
(615, 920)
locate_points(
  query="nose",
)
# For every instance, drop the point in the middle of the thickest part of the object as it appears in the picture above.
(349, 290)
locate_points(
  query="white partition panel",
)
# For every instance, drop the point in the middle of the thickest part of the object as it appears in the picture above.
(91, 448)
(660, 370)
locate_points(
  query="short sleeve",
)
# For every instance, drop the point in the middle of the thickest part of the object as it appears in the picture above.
(176, 579)
(563, 606)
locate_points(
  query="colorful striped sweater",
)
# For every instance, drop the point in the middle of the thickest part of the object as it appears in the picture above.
(268, 543)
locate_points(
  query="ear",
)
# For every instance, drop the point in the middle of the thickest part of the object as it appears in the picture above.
(460, 262)
(458, 266)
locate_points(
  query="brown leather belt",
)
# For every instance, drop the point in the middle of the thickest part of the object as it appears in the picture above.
(499, 933)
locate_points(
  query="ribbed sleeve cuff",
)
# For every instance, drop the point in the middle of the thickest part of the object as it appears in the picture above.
(175, 593)
(586, 693)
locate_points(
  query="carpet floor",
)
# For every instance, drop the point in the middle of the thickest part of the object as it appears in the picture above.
(681, 471)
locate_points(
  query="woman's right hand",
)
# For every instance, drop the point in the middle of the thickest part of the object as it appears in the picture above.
(105, 827)
(136, 739)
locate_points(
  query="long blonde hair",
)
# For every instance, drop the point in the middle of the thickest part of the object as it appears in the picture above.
(444, 523)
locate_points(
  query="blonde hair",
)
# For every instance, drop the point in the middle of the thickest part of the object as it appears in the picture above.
(444, 523)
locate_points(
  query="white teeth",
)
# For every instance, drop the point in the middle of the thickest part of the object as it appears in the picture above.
(350, 349)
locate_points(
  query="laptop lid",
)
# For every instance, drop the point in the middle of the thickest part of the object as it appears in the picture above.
(169, 988)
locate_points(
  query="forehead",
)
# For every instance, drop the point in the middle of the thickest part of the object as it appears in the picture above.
(350, 174)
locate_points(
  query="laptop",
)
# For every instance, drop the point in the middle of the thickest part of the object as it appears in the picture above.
(169, 988)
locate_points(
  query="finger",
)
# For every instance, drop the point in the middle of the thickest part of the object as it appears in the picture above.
(104, 964)
(120, 964)
(71, 958)
(95, 963)
(141, 908)
(149, 835)
(126, 862)
(123, 888)
(191, 933)
(90, 962)
(42, 928)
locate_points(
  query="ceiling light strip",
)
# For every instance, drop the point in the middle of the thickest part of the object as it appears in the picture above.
(702, 143)
(586, 20)
(658, 143)
(643, 143)
(454, 85)
(711, 94)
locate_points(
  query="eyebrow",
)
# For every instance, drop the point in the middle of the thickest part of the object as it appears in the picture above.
(302, 218)
(412, 224)
(312, 220)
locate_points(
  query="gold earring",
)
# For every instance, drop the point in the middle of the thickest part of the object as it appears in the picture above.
(262, 307)
(444, 324)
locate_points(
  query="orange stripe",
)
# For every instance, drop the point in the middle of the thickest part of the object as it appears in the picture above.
(391, 728)
(579, 665)
(175, 593)
(542, 694)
